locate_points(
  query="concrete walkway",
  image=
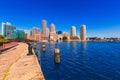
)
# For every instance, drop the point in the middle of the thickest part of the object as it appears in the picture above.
(16, 65)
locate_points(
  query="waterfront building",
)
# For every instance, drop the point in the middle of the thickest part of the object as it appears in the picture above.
(75, 38)
(83, 33)
(73, 31)
(53, 34)
(44, 26)
(18, 35)
(35, 31)
(38, 37)
(52, 28)
(30, 38)
(7, 29)
(28, 33)
(60, 35)
(65, 36)
(73, 35)
(47, 32)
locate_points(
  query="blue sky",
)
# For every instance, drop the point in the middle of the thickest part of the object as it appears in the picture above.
(102, 17)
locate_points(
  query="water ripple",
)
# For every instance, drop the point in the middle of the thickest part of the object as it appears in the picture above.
(82, 61)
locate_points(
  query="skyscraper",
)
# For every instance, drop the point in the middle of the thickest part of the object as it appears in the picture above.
(7, 29)
(28, 33)
(53, 35)
(73, 31)
(52, 28)
(35, 31)
(3, 28)
(83, 33)
(44, 25)
(47, 32)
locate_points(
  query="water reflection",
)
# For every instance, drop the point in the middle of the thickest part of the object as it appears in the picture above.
(84, 54)
(43, 51)
(68, 45)
(52, 42)
(74, 45)
(83, 46)
(57, 69)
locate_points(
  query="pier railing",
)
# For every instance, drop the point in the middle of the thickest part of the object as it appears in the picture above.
(8, 45)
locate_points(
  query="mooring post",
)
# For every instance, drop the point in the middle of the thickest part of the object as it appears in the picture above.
(57, 54)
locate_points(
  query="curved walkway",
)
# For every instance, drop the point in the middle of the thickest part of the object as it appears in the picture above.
(16, 65)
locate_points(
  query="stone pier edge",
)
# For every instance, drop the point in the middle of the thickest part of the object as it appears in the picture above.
(38, 63)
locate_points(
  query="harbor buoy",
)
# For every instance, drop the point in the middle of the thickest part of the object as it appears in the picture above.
(57, 51)
(35, 45)
(43, 47)
(57, 55)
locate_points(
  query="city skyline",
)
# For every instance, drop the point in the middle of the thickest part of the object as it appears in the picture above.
(101, 20)
(78, 31)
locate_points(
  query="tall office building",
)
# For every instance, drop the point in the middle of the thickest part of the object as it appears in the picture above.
(73, 31)
(44, 25)
(7, 29)
(35, 31)
(52, 28)
(28, 33)
(3, 28)
(83, 33)
(47, 32)
(53, 35)
(18, 34)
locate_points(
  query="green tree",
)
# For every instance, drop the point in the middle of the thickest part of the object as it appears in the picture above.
(3, 40)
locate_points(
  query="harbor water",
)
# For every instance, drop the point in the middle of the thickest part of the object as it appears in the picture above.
(81, 61)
